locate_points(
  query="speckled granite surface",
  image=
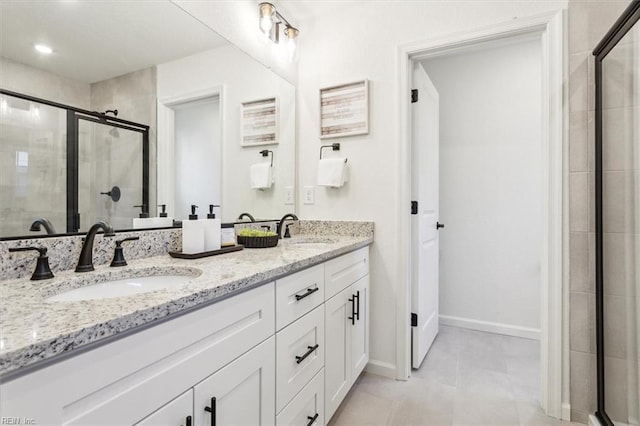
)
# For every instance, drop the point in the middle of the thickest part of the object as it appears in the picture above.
(33, 329)
(64, 252)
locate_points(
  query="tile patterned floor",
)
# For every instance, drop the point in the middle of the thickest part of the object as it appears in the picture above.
(468, 378)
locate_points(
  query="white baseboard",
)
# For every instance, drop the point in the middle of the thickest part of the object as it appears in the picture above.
(380, 368)
(491, 327)
(566, 411)
(593, 420)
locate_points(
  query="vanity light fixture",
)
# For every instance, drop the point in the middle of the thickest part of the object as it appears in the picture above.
(270, 23)
(43, 48)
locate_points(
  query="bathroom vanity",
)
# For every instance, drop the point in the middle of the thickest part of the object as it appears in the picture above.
(273, 336)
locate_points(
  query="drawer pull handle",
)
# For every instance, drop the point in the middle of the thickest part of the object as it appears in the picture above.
(353, 310)
(299, 359)
(312, 420)
(212, 410)
(188, 422)
(309, 292)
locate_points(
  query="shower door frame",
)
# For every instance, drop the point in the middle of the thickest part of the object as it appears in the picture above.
(73, 116)
(620, 28)
(73, 119)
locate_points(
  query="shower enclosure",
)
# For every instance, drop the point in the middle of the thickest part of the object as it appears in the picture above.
(617, 164)
(69, 166)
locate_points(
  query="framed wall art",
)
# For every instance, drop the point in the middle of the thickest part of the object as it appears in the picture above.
(259, 122)
(344, 110)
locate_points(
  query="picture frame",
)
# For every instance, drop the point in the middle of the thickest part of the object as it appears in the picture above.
(259, 122)
(344, 110)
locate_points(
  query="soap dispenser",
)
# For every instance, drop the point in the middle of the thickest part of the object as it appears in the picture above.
(212, 230)
(193, 233)
(163, 220)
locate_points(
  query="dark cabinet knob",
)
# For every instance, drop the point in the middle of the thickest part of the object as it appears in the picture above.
(439, 225)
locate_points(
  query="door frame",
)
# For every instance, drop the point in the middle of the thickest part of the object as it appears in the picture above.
(165, 181)
(554, 349)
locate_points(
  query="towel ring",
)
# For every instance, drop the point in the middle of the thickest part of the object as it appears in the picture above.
(333, 146)
(265, 153)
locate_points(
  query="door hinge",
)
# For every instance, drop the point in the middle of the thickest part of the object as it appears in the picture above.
(414, 96)
(414, 320)
(414, 207)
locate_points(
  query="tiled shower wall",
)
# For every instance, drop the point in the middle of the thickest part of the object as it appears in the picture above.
(588, 22)
(134, 96)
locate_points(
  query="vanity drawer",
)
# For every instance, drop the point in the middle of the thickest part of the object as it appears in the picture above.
(306, 406)
(343, 271)
(299, 355)
(298, 294)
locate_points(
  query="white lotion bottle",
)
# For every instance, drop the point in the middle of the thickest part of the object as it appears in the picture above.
(192, 233)
(212, 230)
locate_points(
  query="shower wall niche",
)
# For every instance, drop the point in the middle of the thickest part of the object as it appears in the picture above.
(617, 164)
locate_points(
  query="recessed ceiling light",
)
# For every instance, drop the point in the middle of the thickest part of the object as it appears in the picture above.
(42, 48)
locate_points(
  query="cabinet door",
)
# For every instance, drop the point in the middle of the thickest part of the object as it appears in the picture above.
(242, 393)
(338, 311)
(360, 330)
(174, 413)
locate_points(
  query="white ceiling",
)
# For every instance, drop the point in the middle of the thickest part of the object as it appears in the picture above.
(100, 39)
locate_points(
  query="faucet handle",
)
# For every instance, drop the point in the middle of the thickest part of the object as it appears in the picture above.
(118, 255)
(42, 271)
(286, 231)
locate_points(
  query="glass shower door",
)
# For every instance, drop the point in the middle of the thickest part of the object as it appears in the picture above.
(618, 221)
(110, 173)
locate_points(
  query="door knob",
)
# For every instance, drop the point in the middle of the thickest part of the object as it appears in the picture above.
(439, 225)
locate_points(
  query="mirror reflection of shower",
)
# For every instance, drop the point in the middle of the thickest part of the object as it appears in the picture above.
(114, 133)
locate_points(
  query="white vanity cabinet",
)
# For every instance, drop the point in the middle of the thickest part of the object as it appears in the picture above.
(338, 324)
(126, 381)
(346, 326)
(283, 353)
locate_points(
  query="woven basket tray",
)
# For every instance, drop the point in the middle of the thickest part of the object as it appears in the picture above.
(258, 242)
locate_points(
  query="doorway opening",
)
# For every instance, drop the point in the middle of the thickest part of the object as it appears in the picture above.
(190, 148)
(421, 233)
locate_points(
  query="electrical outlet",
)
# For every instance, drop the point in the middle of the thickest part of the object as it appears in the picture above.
(308, 194)
(288, 195)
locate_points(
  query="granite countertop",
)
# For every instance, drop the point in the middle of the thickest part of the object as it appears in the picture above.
(33, 329)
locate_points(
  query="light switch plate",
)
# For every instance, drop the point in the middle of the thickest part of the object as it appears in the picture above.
(308, 195)
(288, 195)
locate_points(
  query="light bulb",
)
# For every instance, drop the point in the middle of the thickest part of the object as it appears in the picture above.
(290, 43)
(266, 24)
(266, 17)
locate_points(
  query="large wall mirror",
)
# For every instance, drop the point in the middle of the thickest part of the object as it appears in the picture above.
(194, 116)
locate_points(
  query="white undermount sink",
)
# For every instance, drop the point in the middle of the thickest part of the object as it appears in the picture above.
(136, 282)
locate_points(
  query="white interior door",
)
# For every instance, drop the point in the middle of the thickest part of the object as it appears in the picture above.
(424, 231)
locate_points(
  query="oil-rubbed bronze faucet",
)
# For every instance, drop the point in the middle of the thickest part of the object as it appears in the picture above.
(285, 217)
(242, 215)
(85, 263)
(43, 222)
